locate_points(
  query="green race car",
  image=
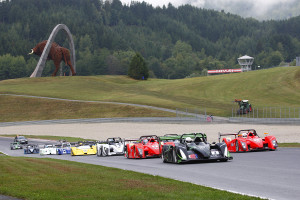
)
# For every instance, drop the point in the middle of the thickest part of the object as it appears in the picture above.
(15, 145)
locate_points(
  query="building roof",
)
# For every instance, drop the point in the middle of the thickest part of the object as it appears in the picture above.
(245, 57)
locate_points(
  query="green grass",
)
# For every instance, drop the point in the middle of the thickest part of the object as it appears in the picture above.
(289, 145)
(50, 137)
(28, 109)
(273, 87)
(41, 178)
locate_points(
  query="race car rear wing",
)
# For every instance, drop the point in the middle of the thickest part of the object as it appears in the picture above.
(126, 141)
(149, 136)
(171, 134)
(226, 134)
(169, 137)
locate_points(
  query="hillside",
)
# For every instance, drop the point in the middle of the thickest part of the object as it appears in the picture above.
(273, 87)
(175, 42)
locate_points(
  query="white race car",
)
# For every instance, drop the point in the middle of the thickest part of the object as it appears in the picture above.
(48, 149)
(112, 146)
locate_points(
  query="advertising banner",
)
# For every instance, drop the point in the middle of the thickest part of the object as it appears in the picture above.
(222, 71)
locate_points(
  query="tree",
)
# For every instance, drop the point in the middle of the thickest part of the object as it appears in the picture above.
(12, 67)
(138, 69)
(275, 58)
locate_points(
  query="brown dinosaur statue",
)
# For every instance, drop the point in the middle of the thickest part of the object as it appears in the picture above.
(56, 53)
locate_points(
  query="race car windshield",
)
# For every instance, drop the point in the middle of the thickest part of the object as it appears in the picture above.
(21, 137)
(145, 141)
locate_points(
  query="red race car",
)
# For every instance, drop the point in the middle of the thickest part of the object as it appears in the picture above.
(248, 140)
(146, 146)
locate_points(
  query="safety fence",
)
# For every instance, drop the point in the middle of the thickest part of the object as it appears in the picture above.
(269, 112)
(198, 114)
(267, 115)
(274, 115)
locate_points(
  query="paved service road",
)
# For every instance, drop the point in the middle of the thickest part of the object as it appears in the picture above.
(269, 174)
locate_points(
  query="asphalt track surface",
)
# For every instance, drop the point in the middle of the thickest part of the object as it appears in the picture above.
(267, 174)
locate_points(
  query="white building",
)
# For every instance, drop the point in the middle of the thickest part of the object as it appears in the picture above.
(245, 62)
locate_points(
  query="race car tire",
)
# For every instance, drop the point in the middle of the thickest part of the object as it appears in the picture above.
(99, 152)
(126, 153)
(236, 146)
(105, 152)
(162, 157)
(174, 156)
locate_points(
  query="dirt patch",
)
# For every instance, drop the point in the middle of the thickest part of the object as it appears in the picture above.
(101, 131)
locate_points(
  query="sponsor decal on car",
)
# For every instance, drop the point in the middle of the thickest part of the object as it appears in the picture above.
(193, 156)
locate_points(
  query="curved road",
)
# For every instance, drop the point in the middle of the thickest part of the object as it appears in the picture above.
(268, 174)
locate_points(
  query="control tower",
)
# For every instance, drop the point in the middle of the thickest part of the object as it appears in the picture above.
(245, 62)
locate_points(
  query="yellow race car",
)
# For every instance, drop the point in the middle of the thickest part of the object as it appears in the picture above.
(84, 149)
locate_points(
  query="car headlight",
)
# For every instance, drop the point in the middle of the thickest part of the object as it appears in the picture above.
(226, 152)
(182, 155)
(274, 143)
(243, 145)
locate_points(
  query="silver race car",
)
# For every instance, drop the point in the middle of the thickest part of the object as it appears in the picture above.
(112, 146)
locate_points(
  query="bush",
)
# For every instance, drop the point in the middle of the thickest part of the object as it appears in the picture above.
(137, 68)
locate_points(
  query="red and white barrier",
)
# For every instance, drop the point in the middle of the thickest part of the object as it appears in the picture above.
(222, 71)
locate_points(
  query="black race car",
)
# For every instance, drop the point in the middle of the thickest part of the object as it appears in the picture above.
(21, 139)
(31, 149)
(194, 147)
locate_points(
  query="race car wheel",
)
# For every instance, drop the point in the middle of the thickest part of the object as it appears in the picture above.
(174, 156)
(162, 157)
(126, 153)
(99, 152)
(236, 146)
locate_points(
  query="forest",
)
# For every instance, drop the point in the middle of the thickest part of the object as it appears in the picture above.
(175, 42)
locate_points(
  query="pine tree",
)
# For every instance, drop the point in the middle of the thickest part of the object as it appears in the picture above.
(137, 68)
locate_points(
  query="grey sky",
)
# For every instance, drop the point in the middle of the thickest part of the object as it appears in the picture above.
(245, 8)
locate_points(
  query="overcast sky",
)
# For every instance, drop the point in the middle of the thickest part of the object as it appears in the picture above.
(251, 7)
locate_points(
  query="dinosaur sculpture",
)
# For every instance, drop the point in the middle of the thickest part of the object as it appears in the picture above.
(57, 54)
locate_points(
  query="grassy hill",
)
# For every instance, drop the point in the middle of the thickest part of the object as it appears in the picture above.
(273, 87)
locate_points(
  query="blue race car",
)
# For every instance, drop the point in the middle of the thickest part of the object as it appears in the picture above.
(63, 148)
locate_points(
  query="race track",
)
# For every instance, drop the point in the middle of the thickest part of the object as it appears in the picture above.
(268, 174)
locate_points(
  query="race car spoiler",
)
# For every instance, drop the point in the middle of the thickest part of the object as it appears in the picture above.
(226, 134)
(169, 137)
(149, 136)
(131, 140)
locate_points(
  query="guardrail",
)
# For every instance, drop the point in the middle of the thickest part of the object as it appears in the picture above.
(269, 112)
(267, 115)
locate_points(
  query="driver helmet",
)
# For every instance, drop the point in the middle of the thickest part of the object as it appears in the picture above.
(145, 141)
(244, 134)
(188, 140)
